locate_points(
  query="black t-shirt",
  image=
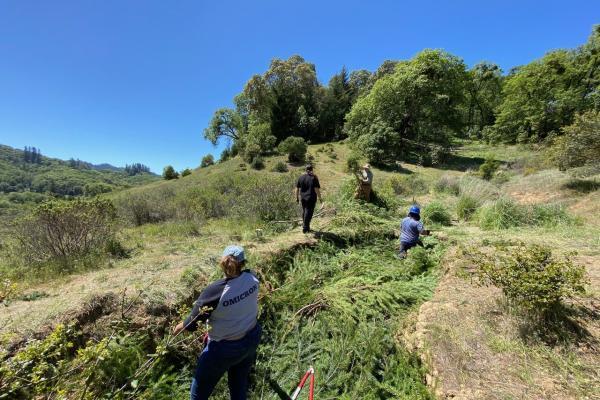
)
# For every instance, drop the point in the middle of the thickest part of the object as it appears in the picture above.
(307, 184)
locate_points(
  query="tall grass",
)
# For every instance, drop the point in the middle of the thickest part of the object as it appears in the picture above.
(505, 213)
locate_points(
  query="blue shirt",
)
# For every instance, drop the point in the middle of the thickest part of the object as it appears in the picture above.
(410, 230)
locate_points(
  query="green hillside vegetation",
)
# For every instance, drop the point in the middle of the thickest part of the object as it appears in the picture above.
(505, 169)
(24, 179)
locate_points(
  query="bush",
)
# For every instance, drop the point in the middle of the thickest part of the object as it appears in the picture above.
(94, 189)
(249, 196)
(353, 163)
(251, 151)
(207, 160)
(488, 168)
(407, 185)
(531, 277)
(170, 173)
(186, 172)
(257, 163)
(501, 214)
(548, 215)
(225, 155)
(447, 184)
(436, 213)
(418, 261)
(280, 166)
(580, 144)
(141, 207)
(505, 213)
(466, 207)
(295, 148)
(64, 229)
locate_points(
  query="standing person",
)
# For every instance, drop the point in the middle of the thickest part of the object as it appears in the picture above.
(411, 227)
(229, 307)
(365, 183)
(308, 190)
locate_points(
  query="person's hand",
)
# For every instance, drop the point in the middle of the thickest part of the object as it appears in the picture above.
(178, 328)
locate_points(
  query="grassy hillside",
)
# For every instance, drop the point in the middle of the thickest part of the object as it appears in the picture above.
(391, 329)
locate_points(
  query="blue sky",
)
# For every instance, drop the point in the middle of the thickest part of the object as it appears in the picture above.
(124, 81)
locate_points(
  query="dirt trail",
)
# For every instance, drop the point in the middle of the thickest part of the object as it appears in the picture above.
(157, 270)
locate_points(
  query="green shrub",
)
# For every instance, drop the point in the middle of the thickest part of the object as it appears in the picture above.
(466, 207)
(548, 215)
(207, 160)
(435, 212)
(251, 151)
(418, 261)
(488, 168)
(94, 189)
(447, 184)
(169, 173)
(505, 213)
(140, 207)
(225, 155)
(64, 229)
(186, 172)
(580, 145)
(295, 148)
(531, 277)
(501, 214)
(116, 249)
(353, 163)
(407, 185)
(280, 166)
(257, 163)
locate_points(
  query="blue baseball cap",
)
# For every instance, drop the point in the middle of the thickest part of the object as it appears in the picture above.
(236, 252)
(415, 210)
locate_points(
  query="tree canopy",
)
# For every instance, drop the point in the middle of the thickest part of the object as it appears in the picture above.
(418, 104)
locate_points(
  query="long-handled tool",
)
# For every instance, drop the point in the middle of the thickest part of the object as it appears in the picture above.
(311, 389)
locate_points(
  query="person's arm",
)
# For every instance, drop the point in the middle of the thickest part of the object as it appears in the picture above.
(422, 229)
(298, 191)
(203, 307)
(318, 189)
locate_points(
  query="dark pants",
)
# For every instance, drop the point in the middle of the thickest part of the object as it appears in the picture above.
(236, 357)
(308, 209)
(404, 246)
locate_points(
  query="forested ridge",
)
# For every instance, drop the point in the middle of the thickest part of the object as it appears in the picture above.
(414, 109)
(27, 175)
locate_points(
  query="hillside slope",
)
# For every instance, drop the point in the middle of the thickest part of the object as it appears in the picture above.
(175, 251)
(20, 172)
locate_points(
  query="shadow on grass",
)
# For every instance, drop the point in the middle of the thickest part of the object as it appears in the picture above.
(563, 325)
(461, 163)
(582, 185)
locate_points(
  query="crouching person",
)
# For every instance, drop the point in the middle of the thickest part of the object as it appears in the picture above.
(410, 230)
(229, 307)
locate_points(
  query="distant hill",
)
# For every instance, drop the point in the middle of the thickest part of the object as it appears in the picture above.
(107, 167)
(27, 175)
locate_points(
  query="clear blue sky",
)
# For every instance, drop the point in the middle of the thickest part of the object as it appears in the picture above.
(124, 81)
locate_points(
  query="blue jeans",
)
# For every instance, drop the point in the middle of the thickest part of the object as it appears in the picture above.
(236, 357)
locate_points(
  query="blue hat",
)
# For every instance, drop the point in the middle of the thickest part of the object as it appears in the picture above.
(236, 252)
(415, 210)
